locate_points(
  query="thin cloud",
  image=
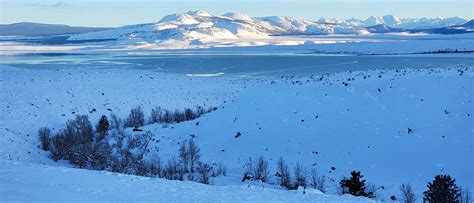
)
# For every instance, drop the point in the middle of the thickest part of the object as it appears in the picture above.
(47, 4)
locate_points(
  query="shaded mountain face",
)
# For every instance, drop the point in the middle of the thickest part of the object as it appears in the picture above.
(469, 24)
(38, 29)
(467, 27)
(382, 28)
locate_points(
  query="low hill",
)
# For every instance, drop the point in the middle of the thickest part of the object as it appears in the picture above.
(38, 29)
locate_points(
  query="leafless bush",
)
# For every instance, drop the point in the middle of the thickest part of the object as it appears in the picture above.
(115, 122)
(261, 170)
(136, 118)
(191, 177)
(155, 168)
(179, 116)
(159, 115)
(248, 173)
(79, 136)
(57, 147)
(44, 135)
(283, 173)
(184, 156)
(189, 114)
(408, 196)
(156, 115)
(193, 154)
(204, 170)
(172, 170)
(300, 176)
(218, 170)
(317, 182)
(371, 191)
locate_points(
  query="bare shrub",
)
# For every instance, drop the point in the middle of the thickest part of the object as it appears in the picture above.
(184, 155)
(57, 147)
(371, 190)
(248, 171)
(44, 135)
(203, 171)
(155, 168)
(193, 154)
(179, 116)
(283, 174)
(136, 118)
(79, 136)
(115, 122)
(317, 182)
(156, 114)
(261, 170)
(300, 176)
(220, 169)
(172, 170)
(189, 114)
(408, 196)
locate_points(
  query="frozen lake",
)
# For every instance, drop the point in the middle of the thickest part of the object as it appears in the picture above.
(236, 64)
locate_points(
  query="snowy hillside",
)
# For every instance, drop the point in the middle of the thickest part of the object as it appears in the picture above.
(62, 184)
(384, 123)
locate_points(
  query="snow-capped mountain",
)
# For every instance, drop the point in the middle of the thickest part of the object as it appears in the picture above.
(395, 22)
(405, 23)
(203, 29)
(383, 28)
(201, 26)
(426, 23)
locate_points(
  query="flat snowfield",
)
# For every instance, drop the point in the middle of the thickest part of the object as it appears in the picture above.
(395, 126)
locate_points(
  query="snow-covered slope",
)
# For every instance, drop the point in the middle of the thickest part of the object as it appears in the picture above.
(318, 121)
(24, 182)
(364, 125)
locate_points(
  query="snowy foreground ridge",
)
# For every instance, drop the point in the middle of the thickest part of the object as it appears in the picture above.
(27, 182)
(335, 123)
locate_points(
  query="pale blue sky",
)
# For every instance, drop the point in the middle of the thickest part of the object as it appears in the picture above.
(122, 12)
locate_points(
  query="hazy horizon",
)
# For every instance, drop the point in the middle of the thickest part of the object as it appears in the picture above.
(107, 13)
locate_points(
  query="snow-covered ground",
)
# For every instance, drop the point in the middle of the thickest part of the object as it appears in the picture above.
(318, 121)
(26, 182)
(48, 97)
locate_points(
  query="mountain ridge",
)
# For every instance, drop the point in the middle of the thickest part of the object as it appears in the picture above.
(38, 29)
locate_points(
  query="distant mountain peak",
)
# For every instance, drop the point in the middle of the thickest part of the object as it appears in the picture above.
(201, 27)
(238, 16)
(199, 13)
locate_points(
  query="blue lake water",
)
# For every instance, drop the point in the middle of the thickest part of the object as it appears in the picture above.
(237, 64)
